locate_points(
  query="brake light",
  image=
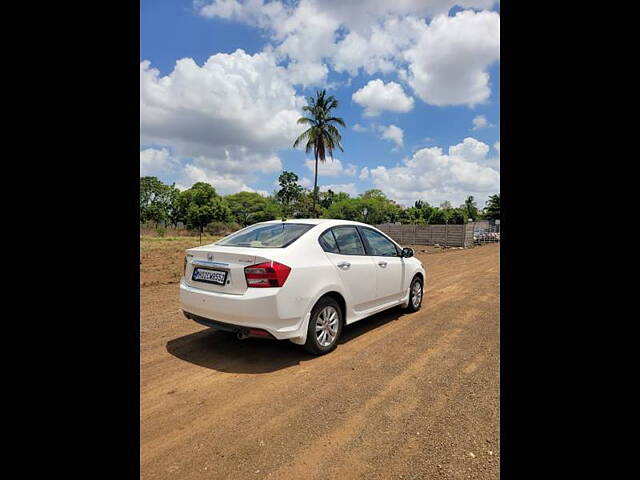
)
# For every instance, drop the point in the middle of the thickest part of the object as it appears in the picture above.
(268, 274)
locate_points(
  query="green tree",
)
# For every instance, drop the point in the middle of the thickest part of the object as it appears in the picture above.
(374, 194)
(251, 207)
(423, 211)
(203, 205)
(155, 200)
(438, 216)
(326, 199)
(378, 208)
(289, 192)
(446, 205)
(457, 216)
(371, 207)
(303, 207)
(322, 136)
(471, 208)
(347, 209)
(175, 213)
(412, 216)
(492, 209)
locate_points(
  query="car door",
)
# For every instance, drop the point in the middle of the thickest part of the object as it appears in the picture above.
(389, 265)
(357, 271)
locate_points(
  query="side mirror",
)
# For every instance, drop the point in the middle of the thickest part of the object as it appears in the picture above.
(407, 252)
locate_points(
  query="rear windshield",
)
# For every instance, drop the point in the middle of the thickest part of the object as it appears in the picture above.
(273, 235)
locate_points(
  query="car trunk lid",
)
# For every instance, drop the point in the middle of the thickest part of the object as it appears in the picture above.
(208, 261)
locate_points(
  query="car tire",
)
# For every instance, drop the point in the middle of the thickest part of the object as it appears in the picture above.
(326, 316)
(415, 295)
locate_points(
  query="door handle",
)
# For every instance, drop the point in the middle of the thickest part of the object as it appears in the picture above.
(344, 265)
(383, 264)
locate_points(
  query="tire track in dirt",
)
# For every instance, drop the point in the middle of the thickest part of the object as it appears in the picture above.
(283, 385)
(386, 409)
(424, 430)
(337, 438)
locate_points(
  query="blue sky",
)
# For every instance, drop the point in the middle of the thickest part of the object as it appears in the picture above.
(222, 83)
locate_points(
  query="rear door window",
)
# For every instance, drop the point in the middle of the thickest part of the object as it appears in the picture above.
(348, 240)
(328, 242)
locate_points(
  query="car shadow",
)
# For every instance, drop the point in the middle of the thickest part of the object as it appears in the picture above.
(223, 352)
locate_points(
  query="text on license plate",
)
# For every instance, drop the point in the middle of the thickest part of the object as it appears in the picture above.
(210, 276)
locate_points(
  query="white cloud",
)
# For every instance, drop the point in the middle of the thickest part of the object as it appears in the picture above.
(349, 188)
(353, 15)
(253, 12)
(303, 34)
(372, 35)
(471, 149)
(223, 183)
(307, 73)
(359, 128)
(364, 173)
(227, 175)
(497, 146)
(378, 47)
(448, 65)
(361, 14)
(331, 168)
(392, 133)
(203, 110)
(157, 162)
(476, 151)
(435, 177)
(350, 171)
(376, 97)
(305, 182)
(208, 114)
(480, 121)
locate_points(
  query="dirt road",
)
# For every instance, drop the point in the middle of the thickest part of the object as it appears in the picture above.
(404, 396)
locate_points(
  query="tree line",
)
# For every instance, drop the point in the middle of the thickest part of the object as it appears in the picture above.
(201, 207)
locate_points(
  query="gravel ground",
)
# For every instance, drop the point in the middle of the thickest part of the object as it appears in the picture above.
(404, 396)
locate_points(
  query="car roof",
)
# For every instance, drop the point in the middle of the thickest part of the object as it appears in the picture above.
(318, 221)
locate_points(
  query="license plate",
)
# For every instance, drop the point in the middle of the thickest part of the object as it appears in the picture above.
(217, 277)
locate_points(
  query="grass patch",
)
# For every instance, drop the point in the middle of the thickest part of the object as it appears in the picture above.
(148, 243)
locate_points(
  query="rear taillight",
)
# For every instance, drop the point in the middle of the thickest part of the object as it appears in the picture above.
(268, 274)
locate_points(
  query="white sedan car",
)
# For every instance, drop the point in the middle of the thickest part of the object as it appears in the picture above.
(300, 280)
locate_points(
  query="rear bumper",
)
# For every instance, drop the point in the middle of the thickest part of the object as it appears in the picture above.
(227, 327)
(262, 308)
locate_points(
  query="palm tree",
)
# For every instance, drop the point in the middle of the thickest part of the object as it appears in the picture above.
(322, 136)
(470, 206)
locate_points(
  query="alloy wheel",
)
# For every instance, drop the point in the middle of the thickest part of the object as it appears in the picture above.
(327, 326)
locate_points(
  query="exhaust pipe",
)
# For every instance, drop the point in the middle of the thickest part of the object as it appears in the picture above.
(242, 334)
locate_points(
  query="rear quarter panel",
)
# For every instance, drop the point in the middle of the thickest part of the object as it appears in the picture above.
(312, 275)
